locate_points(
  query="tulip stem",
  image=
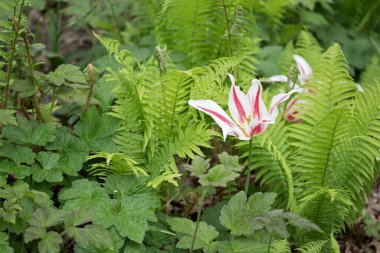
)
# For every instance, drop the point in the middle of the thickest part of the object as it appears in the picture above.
(200, 204)
(248, 168)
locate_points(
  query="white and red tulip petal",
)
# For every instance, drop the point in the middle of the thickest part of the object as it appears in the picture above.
(291, 111)
(276, 100)
(238, 103)
(258, 109)
(219, 115)
(278, 79)
(303, 67)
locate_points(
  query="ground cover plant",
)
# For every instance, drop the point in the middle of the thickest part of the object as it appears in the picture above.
(188, 126)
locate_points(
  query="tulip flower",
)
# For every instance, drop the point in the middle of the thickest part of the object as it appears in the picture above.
(250, 117)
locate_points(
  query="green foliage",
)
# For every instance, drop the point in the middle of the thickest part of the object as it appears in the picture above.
(217, 176)
(185, 230)
(96, 130)
(66, 73)
(239, 214)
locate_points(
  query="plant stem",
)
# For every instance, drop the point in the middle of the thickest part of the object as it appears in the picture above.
(248, 168)
(36, 104)
(9, 69)
(228, 29)
(91, 80)
(269, 243)
(200, 204)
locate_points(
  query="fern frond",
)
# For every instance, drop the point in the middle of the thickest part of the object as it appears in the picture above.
(371, 74)
(115, 163)
(312, 247)
(328, 208)
(280, 246)
(307, 46)
(330, 88)
(185, 26)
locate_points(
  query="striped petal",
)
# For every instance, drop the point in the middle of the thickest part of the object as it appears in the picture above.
(258, 109)
(303, 67)
(276, 100)
(238, 103)
(291, 111)
(219, 115)
(278, 78)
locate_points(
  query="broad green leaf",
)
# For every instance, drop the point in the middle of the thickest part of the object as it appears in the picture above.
(239, 214)
(130, 215)
(8, 167)
(40, 220)
(7, 117)
(47, 167)
(133, 247)
(19, 154)
(50, 243)
(230, 162)
(9, 210)
(66, 72)
(218, 176)
(199, 166)
(89, 235)
(72, 151)
(4, 245)
(96, 130)
(84, 194)
(117, 243)
(185, 229)
(36, 134)
(125, 185)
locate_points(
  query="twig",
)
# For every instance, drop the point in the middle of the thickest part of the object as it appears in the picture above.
(9, 69)
(36, 103)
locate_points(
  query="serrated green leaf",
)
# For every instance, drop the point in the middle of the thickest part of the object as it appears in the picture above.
(64, 73)
(9, 167)
(7, 117)
(185, 229)
(230, 162)
(10, 210)
(40, 220)
(238, 214)
(199, 166)
(47, 168)
(4, 245)
(130, 215)
(50, 243)
(133, 247)
(72, 151)
(96, 130)
(36, 134)
(84, 194)
(218, 176)
(19, 154)
(89, 235)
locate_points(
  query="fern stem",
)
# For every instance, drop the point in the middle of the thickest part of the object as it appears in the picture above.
(228, 29)
(200, 204)
(36, 103)
(269, 243)
(248, 168)
(9, 69)
(91, 81)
